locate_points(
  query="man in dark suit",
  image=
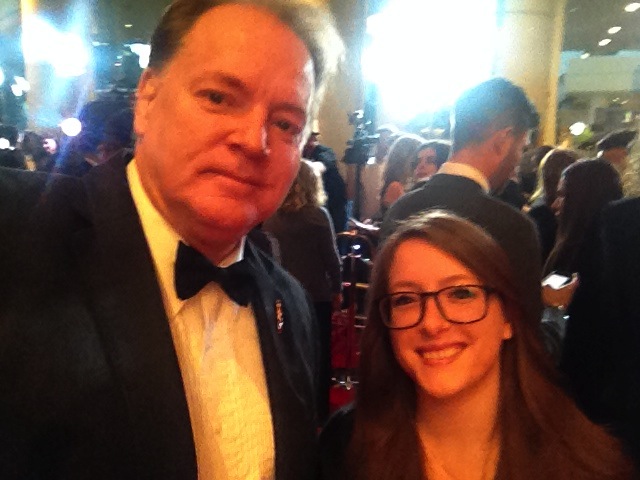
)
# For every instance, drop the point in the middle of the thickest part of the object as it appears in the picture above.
(491, 124)
(141, 335)
(332, 181)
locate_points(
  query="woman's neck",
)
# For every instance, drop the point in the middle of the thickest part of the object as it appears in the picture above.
(461, 435)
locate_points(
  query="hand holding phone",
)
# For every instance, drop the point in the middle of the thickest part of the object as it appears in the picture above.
(558, 290)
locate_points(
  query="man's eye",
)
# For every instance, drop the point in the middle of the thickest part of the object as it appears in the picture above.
(288, 127)
(216, 97)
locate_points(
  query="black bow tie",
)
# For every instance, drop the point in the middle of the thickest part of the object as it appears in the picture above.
(193, 271)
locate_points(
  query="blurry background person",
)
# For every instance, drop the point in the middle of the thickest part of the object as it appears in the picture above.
(549, 170)
(334, 185)
(614, 148)
(527, 169)
(612, 311)
(38, 154)
(511, 192)
(398, 170)
(371, 174)
(454, 380)
(10, 155)
(428, 160)
(584, 189)
(308, 251)
(118, 135)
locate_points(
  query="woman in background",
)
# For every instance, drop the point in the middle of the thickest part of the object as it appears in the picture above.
(455, 383)
(428, 160)
(584, 189)
(398, 170)
(308, 251)
(544, 195)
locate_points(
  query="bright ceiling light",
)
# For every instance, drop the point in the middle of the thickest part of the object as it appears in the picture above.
(4, 144)
(22, 83)
(1, 76)
(64, 51)
(632, 7)
(585, 55)
(143, 51)
(71, 127)
(614, 30)
(578, 128)
(408, 87)
(604, 41)
(16, 90)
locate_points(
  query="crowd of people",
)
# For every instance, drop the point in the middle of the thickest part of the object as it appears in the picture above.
(167, 309)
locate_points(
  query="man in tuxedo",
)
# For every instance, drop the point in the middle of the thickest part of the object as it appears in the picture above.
(141, 335)
(490, 128)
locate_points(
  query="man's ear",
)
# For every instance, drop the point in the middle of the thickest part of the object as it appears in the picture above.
(501, 141)
(146, 94)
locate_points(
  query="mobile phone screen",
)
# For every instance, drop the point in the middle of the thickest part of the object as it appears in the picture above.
(556, 280)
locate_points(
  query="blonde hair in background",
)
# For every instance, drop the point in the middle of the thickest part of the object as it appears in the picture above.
(307, 188)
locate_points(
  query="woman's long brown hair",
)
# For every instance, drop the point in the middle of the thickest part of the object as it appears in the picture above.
(544, 435)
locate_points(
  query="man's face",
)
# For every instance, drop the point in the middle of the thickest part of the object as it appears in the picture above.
(514, 147)
(220, 127)
(617, 157)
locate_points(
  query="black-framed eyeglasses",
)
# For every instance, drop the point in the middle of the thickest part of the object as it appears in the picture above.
(458, 304)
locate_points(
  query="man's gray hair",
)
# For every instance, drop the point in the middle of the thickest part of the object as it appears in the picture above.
(311, 22)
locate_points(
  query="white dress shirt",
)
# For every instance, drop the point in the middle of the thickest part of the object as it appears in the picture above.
(218, 350)
(467, 171)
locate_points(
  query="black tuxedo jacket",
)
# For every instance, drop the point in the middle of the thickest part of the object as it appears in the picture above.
(509, 227)
(90, 385)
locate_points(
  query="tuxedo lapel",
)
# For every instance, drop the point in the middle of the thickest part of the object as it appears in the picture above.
(289, 377)
(125, 300)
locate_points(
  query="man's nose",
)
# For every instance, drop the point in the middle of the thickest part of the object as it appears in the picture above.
(252, 134)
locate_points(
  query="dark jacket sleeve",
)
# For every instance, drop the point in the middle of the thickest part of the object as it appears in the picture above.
(329, 252)
(334, 442)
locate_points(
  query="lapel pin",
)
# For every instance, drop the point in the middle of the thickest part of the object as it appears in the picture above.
(279, 316)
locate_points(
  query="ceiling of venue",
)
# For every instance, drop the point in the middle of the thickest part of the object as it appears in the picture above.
(587, 22)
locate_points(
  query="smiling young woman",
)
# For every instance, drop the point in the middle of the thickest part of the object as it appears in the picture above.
(455, 383)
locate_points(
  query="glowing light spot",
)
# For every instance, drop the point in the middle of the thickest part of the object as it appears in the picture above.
(71, 127)
(22, 83)
(65, 51)
(413, 70)
(578, 128)
(143, 51)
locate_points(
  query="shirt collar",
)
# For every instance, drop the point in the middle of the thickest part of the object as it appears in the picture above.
(467, 171)
(163, 240)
